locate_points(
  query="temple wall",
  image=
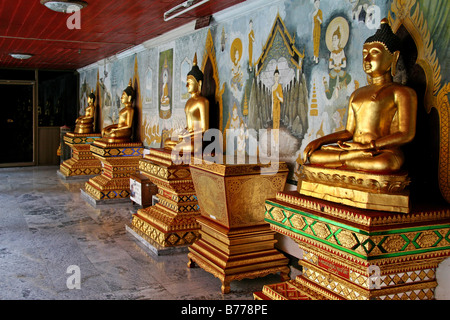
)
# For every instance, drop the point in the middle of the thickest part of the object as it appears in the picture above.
(251, 41)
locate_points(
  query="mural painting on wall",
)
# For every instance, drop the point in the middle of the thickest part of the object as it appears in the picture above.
(278, 94)
(316, 27)
(236, 71)
(148, 65)
(88, 82)
(165, 83)
(84, 93)
(113, 78)
(148, 86)
(185, 68)
(336, 39)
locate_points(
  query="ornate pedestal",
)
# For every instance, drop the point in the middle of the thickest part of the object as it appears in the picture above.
(119, 161)
(82, 164)
(171, 223)
(374, 191)
(235, 241)
(350, 253)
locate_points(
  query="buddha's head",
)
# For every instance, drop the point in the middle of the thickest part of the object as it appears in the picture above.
(381, 51)
(91, 98)
(194, 78)
(128, 94)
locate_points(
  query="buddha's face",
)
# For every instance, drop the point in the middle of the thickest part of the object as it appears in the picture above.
(377, 60)
(90, 101)
(192, 85)
(124, 99)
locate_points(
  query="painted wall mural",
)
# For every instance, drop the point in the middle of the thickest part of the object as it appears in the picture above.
(166, 80)
(288, 65)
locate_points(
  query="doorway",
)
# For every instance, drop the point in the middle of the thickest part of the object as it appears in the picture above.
(17, 123)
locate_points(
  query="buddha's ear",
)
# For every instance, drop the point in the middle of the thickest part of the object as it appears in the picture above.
(395, 55)
(200, 82)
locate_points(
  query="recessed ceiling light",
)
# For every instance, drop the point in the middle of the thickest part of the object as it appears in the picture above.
(63, 5)
(21, 56)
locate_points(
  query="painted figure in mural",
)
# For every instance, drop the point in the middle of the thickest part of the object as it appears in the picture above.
(233, 120)
(316, 26)
(359, 9)
(85, 123)
(251, 39)
(236, 72)
(223, 38)
(197, 113)
(381, 116)
(165, 89)
(165, 100)
(338, 77)
(242, 138)
(121, 131)
(277, 99)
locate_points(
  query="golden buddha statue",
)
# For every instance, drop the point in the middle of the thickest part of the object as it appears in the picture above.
(121, 131)
(85, 124)
(381, 116)
(197, 112)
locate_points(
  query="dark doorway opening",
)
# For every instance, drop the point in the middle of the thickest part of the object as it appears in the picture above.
(17, 123)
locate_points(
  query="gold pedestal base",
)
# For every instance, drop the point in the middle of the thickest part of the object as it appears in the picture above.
(172, 221)
(166, 228)
(82, 163)
(356, 254)
(384, 192)
(119, 161)
(239, 254)
(235, 243)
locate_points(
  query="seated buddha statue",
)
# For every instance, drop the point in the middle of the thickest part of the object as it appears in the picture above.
(381, 116)
(85, 123)
(196, 110)
(121, 131)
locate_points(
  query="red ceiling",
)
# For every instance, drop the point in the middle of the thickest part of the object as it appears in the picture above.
(107, 27)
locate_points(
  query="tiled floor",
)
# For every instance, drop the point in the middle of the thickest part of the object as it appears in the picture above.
(45, 227)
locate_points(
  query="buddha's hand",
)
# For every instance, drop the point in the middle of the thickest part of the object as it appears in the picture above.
(346, 145)
(183, 133)
(310, 148)
(357, 150)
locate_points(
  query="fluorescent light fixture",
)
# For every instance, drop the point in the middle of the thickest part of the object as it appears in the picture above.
(21, 56)
(64, 5)
(188, 5)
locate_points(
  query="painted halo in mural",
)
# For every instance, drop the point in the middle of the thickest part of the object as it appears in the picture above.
(338, 24)
(236, 46)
